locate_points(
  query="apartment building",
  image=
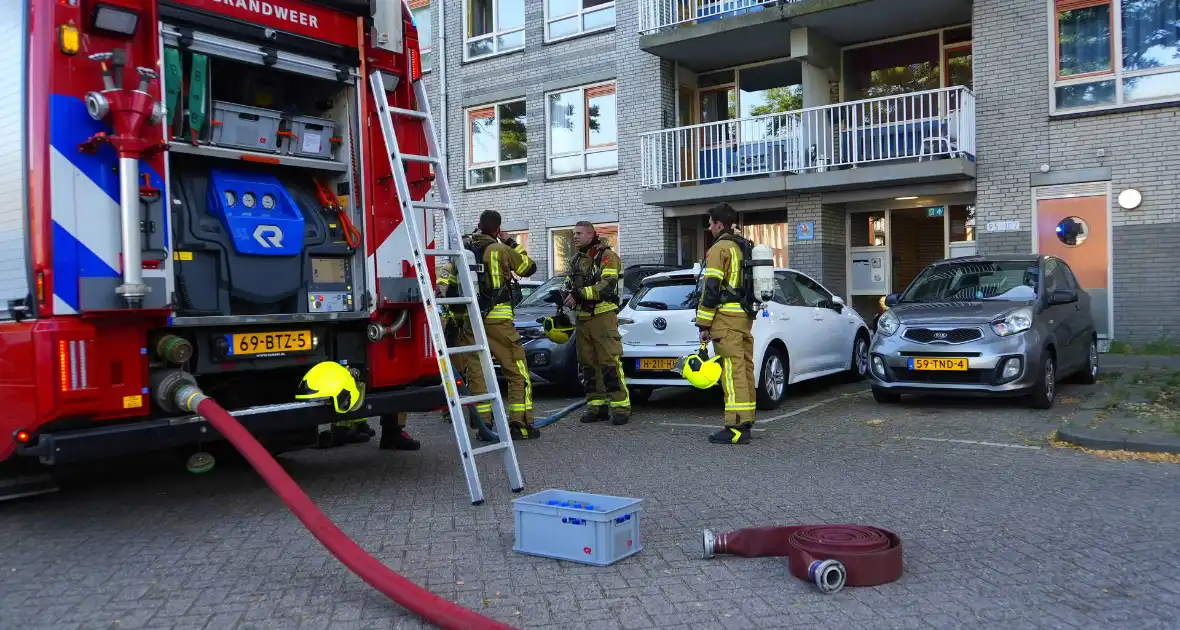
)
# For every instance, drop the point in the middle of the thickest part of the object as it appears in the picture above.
(864, 139)
(542, 103)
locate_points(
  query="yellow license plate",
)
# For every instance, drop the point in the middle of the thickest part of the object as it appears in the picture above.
(941, 364)
(656, 364)
(258, 343)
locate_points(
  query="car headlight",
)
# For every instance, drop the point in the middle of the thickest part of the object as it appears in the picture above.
(888, 324)
(1015, 322)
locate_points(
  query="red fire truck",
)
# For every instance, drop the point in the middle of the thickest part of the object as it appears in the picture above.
(200, 188)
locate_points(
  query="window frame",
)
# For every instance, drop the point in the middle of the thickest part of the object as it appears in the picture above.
(428, 50)
(580, 13)
(468, 146)
(586, 149)
(1116, 74)
(494, 34)
(551, 250)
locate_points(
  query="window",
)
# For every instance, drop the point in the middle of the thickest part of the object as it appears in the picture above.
(521, 238)
(812, 293)
(423, 22)
(962, 220)
(583, 131)
(493, 27)
(786, 293)
(1115, 52)
(497, 144)
(562, 247)
(567, 18)
(678, 295)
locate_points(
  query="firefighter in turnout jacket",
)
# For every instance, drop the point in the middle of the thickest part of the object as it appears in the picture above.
(591, 289)
(459, 333)
(501, 257)
(725, 316)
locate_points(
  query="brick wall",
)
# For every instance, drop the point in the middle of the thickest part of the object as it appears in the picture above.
(1016, 136)
(645, 93)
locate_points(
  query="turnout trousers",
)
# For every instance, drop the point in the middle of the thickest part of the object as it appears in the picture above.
(600, 352)
(734, 343)
(506, 348)
(469, 367)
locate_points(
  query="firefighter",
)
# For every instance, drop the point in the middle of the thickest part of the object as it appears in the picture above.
(394, 436)
(501, 257)
(459, 333)
(591, 287)
(724, 316)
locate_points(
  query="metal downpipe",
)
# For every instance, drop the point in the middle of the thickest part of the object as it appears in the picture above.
(133, 289)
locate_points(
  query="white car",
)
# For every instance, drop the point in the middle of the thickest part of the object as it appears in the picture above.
(804, 333)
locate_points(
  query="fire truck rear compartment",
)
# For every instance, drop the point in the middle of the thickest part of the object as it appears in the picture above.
(252, 235)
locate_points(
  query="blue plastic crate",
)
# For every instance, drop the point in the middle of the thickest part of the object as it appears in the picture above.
(587, 528)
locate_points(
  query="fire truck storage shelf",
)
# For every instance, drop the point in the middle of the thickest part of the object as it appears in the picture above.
(239, 154)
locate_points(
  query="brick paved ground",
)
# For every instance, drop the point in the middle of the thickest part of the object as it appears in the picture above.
(996, 536)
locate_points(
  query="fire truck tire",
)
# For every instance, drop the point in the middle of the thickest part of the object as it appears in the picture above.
(414, 598)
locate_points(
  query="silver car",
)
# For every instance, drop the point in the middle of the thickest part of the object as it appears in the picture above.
(1001, 325)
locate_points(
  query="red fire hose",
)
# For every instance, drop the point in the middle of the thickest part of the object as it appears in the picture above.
(830, 556)
(416, 599)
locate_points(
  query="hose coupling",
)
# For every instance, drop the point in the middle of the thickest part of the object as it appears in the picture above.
(708, 543)
(829, 575)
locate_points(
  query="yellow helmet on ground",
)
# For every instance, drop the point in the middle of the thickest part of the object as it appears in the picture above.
(332, 380)
(700, 371)
(558, 328)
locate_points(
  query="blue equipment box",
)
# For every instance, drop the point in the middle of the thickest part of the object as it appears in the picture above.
(258, 212)
(576, 526)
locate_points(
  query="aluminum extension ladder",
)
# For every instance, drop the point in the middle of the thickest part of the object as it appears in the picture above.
(467, 283)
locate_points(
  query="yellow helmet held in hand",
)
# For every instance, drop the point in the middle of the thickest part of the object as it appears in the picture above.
(332, 380)
(700, 371)
(558, 328)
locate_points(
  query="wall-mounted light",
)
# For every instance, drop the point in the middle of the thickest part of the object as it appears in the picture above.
(1130, 199)
(905, 198)
(115, 19)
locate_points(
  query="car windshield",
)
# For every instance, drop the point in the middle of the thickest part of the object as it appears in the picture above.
(676, 295)
(969, 281)
(537, 296)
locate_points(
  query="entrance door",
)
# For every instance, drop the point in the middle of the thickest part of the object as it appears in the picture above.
(1077, 230)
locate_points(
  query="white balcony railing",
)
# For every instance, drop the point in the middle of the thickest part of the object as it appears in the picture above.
(657, 14)
(916, 126)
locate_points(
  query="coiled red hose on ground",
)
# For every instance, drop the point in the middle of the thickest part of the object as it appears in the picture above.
(871, 555)
(421, 602)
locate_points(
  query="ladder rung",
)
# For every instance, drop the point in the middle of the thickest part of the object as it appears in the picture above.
(488, 449)
(455, 300)
(443, 252)
(463, 349)
(471, 400)
(409, 113)
(426, 159)
(430, 205)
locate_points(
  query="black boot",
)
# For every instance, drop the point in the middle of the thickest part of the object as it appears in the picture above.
(521, 432)
(363, 428)
(398, 440)
(620, 416)
(595, 414)
(732, 435)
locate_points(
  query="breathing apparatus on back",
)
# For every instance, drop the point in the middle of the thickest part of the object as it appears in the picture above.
(757, 274)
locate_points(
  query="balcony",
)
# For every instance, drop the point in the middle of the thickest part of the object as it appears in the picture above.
(908, 139)
(705, 35)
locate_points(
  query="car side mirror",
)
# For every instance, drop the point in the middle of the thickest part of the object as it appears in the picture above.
(892, 298)
(1063, 296)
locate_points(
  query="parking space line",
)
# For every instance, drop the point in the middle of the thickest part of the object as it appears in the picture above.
(810, 407)
(975, 442)
(700, 426)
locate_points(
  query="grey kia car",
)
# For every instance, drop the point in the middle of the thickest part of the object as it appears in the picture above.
(985, 325)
